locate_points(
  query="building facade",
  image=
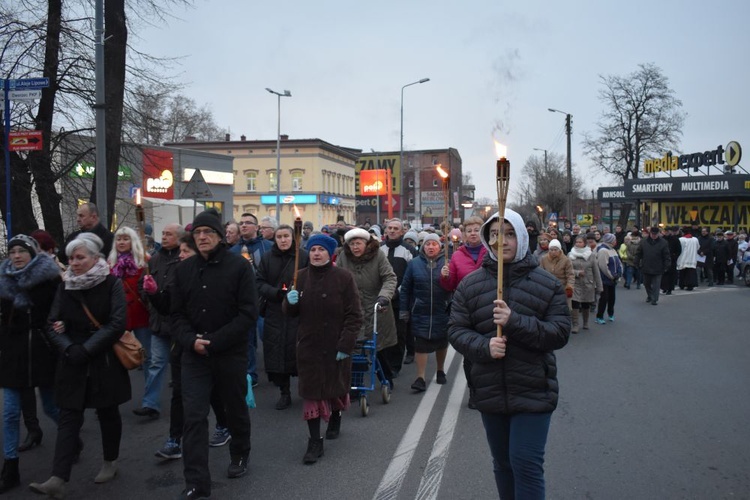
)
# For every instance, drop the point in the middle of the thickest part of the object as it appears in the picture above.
(316, 177)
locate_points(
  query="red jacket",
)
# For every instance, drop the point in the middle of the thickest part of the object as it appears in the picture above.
(137, 314)
(461, 264)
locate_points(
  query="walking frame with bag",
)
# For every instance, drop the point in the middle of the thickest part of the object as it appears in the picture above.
(128, 348)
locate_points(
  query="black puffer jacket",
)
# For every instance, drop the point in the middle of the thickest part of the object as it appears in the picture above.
(525, 380)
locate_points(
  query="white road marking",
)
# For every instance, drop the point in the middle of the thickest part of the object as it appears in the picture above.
(429, 486)
(393, 479)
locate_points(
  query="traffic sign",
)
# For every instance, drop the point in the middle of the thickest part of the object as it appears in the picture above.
(553, 217)
(23, 95)
(197, 187)
(28, 140)
(28, 83)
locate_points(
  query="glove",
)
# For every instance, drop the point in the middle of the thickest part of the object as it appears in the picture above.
(149, 285)
(403, 315)
(568, 292)
(341, 355)
(292, 297)
(280, 293)
(77, 355)
(383, 303)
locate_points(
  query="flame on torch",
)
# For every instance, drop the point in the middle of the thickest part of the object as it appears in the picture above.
(296, 213)
(138, 196)
(501, 150)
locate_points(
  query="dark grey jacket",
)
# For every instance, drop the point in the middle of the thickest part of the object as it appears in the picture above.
(652, 256)
(525, 380)
(162, 267)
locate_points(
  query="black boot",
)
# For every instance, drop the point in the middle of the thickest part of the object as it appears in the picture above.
(334, 425)
(33, 438)
(314, 450)
(9, 477)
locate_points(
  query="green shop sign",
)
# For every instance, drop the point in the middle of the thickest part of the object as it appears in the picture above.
(85, 170)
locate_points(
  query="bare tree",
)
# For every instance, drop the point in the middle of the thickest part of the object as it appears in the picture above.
(545, 183)
(641, 117)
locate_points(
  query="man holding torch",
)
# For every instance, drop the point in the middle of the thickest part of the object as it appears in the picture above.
(515, 375)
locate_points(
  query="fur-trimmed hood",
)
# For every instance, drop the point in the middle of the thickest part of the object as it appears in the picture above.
(15, 283)
(371, 250)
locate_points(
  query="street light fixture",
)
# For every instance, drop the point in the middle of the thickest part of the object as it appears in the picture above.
(278, 151)
(401, 148)
(568, 117)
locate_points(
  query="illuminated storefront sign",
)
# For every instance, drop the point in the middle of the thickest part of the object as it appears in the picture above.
(290, 199)
(158, 176)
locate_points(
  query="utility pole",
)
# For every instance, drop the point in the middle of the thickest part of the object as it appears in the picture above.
(568, 131)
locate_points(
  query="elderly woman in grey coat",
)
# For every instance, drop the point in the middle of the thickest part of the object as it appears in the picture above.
(376, 282)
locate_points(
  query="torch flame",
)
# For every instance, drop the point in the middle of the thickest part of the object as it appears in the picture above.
(296, 212)
(502, 151)
(441, 171)
(138, 196)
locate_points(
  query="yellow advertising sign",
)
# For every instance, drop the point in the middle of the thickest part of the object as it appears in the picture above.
(379, 162)
(709, 214)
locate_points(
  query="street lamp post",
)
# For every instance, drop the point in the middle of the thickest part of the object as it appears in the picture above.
(401, 148)
(568, 131)
(278, 151)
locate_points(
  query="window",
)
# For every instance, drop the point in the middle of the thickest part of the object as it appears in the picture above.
(297, 180)
(411, 202)
(217, 205)
(411, 183)
(434, 183)
(252, 178)
(272, 180)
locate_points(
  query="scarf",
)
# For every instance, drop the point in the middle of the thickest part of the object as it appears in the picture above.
(15, 283)
(474, 250)
(580, 253)
(125, 266)
(97, 274)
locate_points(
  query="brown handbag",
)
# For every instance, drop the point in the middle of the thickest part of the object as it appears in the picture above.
(128, 348)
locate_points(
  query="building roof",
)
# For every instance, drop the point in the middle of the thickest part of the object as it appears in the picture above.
(351, 153)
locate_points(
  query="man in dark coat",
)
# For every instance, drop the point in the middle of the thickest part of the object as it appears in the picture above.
(87, 218)
(652, 258)
(669, 280)
(706, 252)
(214, 303)
(733, 248)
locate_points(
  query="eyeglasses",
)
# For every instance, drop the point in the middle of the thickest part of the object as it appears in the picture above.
(265, 227)
(200, 232)
(246, 223)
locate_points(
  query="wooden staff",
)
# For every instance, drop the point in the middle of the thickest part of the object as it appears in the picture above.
(297, 241)
(503, 181)
(140, 218)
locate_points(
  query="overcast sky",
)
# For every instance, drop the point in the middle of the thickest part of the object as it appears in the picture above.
(490, 64)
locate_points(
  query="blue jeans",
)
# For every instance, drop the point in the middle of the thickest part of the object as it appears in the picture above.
(12, 417)
(517, 445)
(154, 366)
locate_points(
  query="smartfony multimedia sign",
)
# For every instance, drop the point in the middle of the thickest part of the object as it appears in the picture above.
(710, 186)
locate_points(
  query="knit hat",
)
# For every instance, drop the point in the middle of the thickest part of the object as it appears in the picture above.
(307, 224)
(27, 242)
(376, 231)
(411, 235)
(655, 229)
(431, 237)
(609, 239)
(555, 244)
(357, 232)
(421, 236)
(209, 218)
(324, 241)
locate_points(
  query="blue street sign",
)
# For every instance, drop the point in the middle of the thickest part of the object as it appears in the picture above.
(553, 217)
(29, 83)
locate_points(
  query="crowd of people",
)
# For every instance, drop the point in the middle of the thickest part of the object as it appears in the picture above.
(201, 298)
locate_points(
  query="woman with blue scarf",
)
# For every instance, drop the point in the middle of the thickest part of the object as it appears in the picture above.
(28, 281)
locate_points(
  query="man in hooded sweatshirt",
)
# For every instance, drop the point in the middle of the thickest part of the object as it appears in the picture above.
(515, 375)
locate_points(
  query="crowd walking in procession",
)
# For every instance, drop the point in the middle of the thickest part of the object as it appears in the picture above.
(202, 302)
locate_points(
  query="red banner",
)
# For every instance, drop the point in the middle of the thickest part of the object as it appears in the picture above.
(158, 175)
(373, 182)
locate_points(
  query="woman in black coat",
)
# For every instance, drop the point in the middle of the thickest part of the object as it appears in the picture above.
(28, 281)
(515, 376)
(275, 274)
(89, 375)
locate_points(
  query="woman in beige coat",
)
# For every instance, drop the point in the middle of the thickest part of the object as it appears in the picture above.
(556, 263)
(376, 282)
(588, 281)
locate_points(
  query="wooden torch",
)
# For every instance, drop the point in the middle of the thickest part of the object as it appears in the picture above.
(140, 218)
(503, 181)
(297, 241)
(446, 187)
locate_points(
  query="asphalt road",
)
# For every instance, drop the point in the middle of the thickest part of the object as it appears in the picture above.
(652, 406)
